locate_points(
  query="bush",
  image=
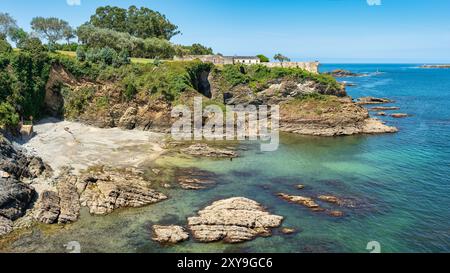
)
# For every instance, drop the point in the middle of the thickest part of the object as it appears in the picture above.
(81, 54)
(263, 58)
(32, 45)
(8, 115)
(5, 47)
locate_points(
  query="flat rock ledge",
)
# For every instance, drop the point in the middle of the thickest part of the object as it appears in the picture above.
(233, 220)
(169, 234)
(309, 203)
(204, 150)
(373, 100)
(100, 191)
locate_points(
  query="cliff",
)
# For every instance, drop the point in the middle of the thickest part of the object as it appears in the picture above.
(310, 104)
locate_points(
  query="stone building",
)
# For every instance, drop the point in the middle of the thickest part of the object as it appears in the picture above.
(312, 67)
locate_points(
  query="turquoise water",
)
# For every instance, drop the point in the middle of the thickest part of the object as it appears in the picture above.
(400, 183)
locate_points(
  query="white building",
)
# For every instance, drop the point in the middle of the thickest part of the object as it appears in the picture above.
(245, 60)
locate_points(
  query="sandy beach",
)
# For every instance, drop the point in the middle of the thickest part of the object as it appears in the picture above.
(70, 144)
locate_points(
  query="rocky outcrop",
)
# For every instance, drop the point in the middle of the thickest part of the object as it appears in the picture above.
(6, 226)
(194, 178)
(399, 115)
(329, 117)
(19, 165)
(384, 108)
(69, 199)
(48, 208)
(301, 200)
(373, 100)
(128, 120)
(110, 190)
(232, 220)
(169, 234)
(341, 73)
(15, 198)
(204, 150)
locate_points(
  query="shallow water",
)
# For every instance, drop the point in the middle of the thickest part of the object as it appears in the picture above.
(400, 183)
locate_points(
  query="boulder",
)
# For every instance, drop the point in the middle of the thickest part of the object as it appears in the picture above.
(128, 119)
(48, 209)
(232, 220)
(169, 234)
(15, 198)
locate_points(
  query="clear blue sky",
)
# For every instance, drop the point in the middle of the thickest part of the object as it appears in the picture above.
(326, 30)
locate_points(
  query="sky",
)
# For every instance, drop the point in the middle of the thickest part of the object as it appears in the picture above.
(330, 31)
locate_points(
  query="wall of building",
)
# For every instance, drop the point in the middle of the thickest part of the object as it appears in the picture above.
(312, 67)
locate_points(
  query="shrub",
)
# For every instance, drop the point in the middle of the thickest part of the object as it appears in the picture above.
(8, 115)
(5, 47)
(263, 58)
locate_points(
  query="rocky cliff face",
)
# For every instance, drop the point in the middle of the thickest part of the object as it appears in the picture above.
(16, 196)
(103, 106)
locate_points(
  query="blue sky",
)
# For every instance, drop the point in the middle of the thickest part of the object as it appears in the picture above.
(325, 30)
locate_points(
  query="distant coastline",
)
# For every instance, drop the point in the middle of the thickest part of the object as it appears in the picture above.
(440, 66)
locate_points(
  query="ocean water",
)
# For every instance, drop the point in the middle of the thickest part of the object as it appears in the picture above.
(399, 182)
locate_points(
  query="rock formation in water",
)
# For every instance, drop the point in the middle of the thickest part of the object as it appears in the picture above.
(341, 73)
(232, 220)
(169, 234)
(204, 150)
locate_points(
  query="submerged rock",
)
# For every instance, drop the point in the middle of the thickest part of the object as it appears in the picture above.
(233, 220)
(335, 213)
(169, 234)
(373, 100)
(194, 178)
(384, 108)
(301, 200)
(399, 115)
(300, 186)
(288, 230)
(341, 73)
(202, 149)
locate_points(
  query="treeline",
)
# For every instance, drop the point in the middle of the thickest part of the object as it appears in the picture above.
(142, 32)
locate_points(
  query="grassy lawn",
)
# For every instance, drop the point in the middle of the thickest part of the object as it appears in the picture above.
(73, 54)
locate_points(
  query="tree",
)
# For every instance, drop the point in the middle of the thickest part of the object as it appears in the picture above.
(18, 36)
(281, 58)
(139, 22)
(52, 29)
(7, 24)
(263, 58)
(69, 33)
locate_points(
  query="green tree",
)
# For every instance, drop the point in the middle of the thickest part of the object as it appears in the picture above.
(52, 29)
(18, 36)
(7, 24)
(263, 58)
(139, 22)
(68, 33)
(281, 58)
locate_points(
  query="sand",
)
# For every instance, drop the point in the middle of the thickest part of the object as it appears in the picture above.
(79, 146)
